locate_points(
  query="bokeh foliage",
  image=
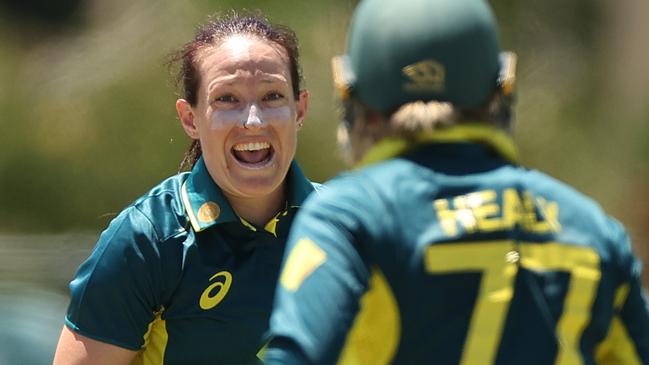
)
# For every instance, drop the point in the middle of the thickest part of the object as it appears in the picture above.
(88, 119)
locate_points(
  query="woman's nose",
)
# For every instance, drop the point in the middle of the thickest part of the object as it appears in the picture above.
(253, 120)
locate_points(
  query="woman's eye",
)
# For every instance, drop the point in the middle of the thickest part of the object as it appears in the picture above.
(226, 99)
(273, 96)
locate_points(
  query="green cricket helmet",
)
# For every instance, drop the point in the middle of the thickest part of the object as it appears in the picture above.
(400, 51)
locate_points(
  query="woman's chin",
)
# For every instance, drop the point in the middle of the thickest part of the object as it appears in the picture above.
(258, 185)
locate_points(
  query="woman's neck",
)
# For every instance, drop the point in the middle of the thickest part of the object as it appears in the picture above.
(259, 210)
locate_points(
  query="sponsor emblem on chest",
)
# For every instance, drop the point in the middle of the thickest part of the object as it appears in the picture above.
(215, 292)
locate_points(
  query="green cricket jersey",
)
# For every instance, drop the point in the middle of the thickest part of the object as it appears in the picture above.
(179, 277)
(451, 253)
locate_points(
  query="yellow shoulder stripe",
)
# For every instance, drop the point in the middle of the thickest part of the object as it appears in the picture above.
(304, 258)
(617, 347)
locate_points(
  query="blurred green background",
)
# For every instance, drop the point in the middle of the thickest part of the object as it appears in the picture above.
(88, 120)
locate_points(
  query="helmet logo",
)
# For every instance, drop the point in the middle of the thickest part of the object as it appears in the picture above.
(424, 76)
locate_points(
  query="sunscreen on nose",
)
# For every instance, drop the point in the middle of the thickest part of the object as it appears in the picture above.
(253, 120)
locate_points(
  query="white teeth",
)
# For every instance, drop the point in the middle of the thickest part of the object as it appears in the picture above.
(251, 146)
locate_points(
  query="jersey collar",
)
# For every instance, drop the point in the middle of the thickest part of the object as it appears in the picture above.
(495, 138)
(206, 205)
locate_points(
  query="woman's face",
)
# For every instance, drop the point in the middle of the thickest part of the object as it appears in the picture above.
(246, 116)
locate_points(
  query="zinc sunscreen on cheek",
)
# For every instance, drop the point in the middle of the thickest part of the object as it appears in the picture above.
(227, 119)
(281, 114)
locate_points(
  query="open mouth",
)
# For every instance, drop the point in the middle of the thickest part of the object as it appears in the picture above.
(254, 154)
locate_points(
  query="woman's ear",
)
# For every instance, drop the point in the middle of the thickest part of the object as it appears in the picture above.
(302, 107)
(186, 116)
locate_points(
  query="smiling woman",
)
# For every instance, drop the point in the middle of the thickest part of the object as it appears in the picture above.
(245, 117)
(186, 274)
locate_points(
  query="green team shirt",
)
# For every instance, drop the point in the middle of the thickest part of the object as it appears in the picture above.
(450, 253)
(179, 277)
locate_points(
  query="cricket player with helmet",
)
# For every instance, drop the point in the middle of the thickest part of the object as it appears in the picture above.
(440, 248)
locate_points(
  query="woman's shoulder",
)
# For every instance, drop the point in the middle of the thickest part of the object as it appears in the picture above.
(160, 210)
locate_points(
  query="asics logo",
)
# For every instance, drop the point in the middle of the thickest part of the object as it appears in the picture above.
(214, 294)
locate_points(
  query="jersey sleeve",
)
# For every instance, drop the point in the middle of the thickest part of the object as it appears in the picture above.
(114, 294)
(325, 273)
(627, 341)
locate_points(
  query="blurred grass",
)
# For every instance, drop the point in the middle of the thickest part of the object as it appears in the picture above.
(30, 323)
(90, 110)
(43, 260)
(88, 120)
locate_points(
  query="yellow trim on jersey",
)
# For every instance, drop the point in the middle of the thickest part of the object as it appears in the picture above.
(271, 226)
(261, 354)
(155, 343)
(497, 139)
(376, 332)
(248, 224)
(304, 258)
(617, 347)
(188, 208)
(620, 296)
